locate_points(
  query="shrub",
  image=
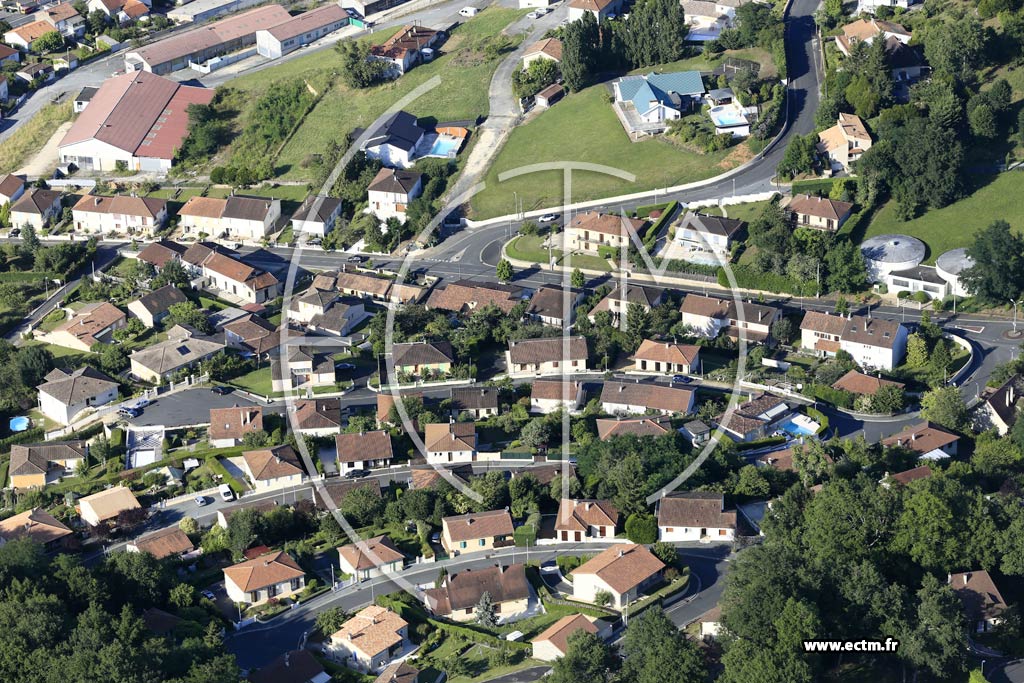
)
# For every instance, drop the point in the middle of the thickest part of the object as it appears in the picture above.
(642, 528)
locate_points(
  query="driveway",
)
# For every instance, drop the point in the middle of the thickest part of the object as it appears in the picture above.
(1011, 672)
(191, 407)
(534, 673)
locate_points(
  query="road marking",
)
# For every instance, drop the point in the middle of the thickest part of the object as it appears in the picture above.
(973, 329)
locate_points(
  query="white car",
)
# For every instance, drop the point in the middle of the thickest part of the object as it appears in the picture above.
(468, 11)
(548, 218)
(541, 11)
(534, 15)
(226, 494)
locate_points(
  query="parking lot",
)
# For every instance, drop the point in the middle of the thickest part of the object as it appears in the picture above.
(191, 407)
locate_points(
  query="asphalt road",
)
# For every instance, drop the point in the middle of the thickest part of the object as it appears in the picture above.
(1011, 672)
(258, 644)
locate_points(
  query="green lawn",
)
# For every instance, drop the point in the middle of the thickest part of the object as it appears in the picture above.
(701, 63)
(954, 226)
(464, 70)
(583, 128)
(747, 211)
(528, 248)
(257, 381)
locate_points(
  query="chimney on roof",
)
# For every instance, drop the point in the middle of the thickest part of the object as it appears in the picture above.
(287, 663)
(967, 577)
(621, 552)
(96, 201)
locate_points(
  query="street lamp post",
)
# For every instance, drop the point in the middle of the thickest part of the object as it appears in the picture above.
(1015, 302)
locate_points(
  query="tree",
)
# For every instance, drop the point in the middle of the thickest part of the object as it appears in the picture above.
(751, 484)
(863, 97)
(655, 651)
(783, 330)
(578, 279)
(655, 33)
(917, 351)
(642, 528)
(504, 271)
(580, 41)
(359, 69)
(945, 406)
(997, 272)
(52, 41)
(486, 612)
(182, 595)
(330, 620)
(587, 658)
(889, 399)
(189, 525)
(187, 313)
(602, 598)
(172, 273)
(799, 156)
(984, 123)
(535, 433)
(361, 506)
(97, 21)
(847, 271)
(244, 528)
(666, 552)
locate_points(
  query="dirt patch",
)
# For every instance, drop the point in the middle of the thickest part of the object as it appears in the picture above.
(46, 159)
(740, 154)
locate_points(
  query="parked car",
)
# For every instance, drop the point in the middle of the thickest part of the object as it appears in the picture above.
(208, 594)
(226, 494)
(548, 218)
(357, 474)
(128, 412)
(15, 232)
(142, 403)
(344, 366)
(534, 15)
(200, 500)
(435, 537)
(542, 11)
(315, 242)
(468, 11)
(356, 258)
(221, 391)
(681, 379)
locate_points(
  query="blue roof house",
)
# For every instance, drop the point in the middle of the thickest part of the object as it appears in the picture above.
(656, 98)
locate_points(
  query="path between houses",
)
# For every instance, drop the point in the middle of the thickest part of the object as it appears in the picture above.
(47, 158)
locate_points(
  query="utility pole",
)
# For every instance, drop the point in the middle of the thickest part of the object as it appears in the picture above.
(1015, 302)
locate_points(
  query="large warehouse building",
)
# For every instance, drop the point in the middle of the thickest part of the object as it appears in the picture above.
(204, 10)
(206, 42)
(301, 30)
(137, 118)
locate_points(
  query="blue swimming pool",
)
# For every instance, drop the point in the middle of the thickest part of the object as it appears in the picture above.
(445, 146)
(726, 116)
(799, 425)
(19, 424)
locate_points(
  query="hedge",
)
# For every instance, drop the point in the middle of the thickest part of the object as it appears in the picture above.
(818, 417)
(652, 232)
(27, 436)
(748, 277)
(837, 397)
(27, 276)
(760, 443)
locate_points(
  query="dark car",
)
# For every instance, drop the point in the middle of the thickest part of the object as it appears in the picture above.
(357, 474)
(344, 366)
(356, 258)
(221, 391)
(129, 412)
(681, 379)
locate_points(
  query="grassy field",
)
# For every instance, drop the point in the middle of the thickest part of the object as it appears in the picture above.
(465, 75)
(528, 248)
(744, 212)
(954, 226)
(583, 128)
(702, 63)
(31, 137)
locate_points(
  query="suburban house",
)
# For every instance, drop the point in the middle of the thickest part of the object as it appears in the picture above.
(549, 395)
(247, 284)
(641, 398)
(646, 103)
(300, 30)
(904, 61)
(340, 318)
(417, 358)
(450, 442)
(391, 191)
(623, 571)
(579, 520)
(363, 451)
(866, 31)
(369, 640)
(399, 672)
(373, 557)
(845, 142)
(296, 666)
(906, 477)
(64, 19)
(818, 213)
(550, 305)
(228, 426)
(466, 296)
(136, 121)
(26, 35)
(317, 417)
(36, 207)
(367, 286)
(697, 432)
(709, 317)
(601, 9)
(753, 420)
(407, 48)
(480, 402)
(254, 581)
(121, 11)
(694, 517)
(387, 400)
(870, 6)
(618, 305)
(262, 506)
(476, 532)
(707, 18)
(548, 48)
(252, 335)
(38, 525)
(553, 642)
(601, 233)
(64, 395)
(457, 596)
(9, 54)
(928, 440)
(106, 505)
(317, 215)
(859, 384)
(120, 214)
(547, 356)
(272, 468)
(667, 358)
(303, 366)
(983, 603)
(184, 348)
(36, 465)
(310, 303)
(394, 142)
(11, 186)
(998, 407)
(873, 343)
(169, 542)
(152, 307)
(91, 324)
(701, 232)
(160, 252)
(237, 217)
(637, 426)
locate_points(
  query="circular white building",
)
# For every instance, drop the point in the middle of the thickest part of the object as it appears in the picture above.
(884, 254)
(950, 265)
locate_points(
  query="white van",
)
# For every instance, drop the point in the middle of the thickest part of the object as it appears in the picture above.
(468, 11)
(226, 493)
